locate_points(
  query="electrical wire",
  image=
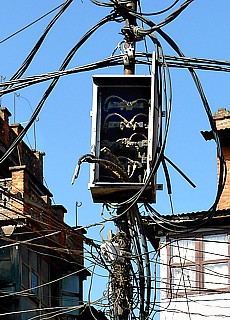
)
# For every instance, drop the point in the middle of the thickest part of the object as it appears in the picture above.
(44, 284)
(141, 252)
(158, 156)
(21, 312)
(139, 32)
(222, 176)
(160, 11)
(102, 4)
(65, 63)
(203, 64)
(28, 81)
(35, 49)
(30, 24)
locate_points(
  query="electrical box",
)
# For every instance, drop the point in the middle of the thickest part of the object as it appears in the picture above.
(122, 137)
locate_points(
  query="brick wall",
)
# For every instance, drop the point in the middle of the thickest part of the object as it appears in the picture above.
(222, 119)
(28, 196)
(19, 189)
(22, 155)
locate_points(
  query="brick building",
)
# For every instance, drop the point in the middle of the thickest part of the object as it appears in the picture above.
(41, 257)
(222, 119)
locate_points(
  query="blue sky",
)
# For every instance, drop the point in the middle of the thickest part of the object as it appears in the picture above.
(64, 125)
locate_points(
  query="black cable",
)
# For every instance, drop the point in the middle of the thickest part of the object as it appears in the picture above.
(152, 13)
(222, 176)
(30, 24)
(146, 259)
(198, 66)
(198, 60)
(35, 49)
(137, 257)
(68, 58)
(130, 10)
(154, 27)
(31, 80)
(140, 265)
(112, 61)
(167, 176)
(157, 157)
(180, 172)
(161, 11)
(102, 4)
(145, 41)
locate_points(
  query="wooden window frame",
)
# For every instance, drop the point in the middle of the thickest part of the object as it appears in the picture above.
(199, 264)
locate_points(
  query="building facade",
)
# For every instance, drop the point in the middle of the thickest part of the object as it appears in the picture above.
(195, 272)
(195, 264)
(41, 257)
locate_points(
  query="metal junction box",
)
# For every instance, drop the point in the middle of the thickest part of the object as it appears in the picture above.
(122, 137)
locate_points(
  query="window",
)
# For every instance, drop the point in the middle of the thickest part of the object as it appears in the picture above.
(34, 282)
(45, 290)
(6, 265)
(183, 249)
(45, 294)
(25, 270)
(215, 261)
(30, 270)
(25, 276)
(71, 293)
(182, 260)
(198, 264)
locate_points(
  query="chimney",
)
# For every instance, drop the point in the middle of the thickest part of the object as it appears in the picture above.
(222, 119)
(58, 220)
(17, 128)
(4, 125)
(58, 212)
(20, 189)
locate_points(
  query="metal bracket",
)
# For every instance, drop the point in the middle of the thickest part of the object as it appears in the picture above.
(128, 53)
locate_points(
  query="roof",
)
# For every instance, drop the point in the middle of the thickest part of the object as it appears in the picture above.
(192, 215)
(157, 227)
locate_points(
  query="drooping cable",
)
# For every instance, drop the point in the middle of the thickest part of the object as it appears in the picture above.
(161, 11)
(30, 24)
(31, 80)
(35, 49)
(102, 4)
(70, 55)
(222, 175)
(143, 32)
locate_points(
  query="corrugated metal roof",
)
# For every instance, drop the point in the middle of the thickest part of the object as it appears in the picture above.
(196, 214)
(157, 227)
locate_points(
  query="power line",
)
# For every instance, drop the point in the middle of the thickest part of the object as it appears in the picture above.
(65, 63)
(30, 24)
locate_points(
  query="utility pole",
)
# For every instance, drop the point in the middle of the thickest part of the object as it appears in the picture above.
(122, 130)
(120, 280)
(129, 60)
